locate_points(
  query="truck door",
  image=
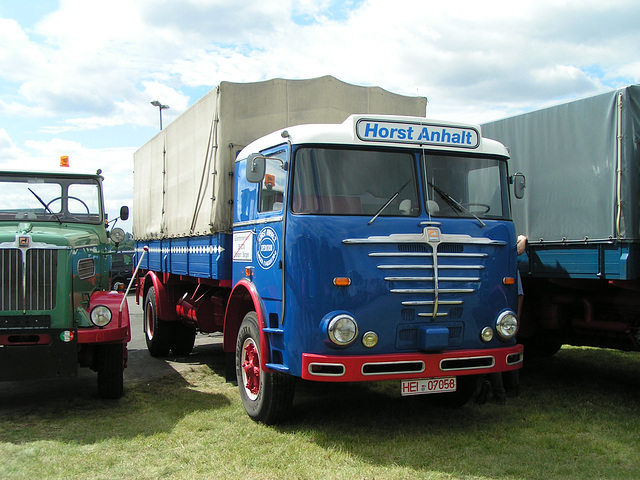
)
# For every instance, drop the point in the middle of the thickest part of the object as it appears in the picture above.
(269, 228)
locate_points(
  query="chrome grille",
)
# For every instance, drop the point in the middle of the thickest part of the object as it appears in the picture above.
(436, 280)
(29, 283)
(12, 297)
(433, 272)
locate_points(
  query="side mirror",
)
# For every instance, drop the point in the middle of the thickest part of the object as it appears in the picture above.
(256, 165)
(519, 184)
(124, 213)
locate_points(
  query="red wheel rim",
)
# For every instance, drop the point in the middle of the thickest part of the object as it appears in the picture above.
(251, 369)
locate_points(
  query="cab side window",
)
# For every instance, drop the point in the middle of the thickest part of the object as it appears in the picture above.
(272, 187)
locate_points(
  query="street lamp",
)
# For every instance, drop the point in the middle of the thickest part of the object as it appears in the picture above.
(161, 107)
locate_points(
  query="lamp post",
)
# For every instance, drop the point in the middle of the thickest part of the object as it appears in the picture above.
(161, 107)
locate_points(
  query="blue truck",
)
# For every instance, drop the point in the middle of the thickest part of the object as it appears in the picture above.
(581, 271)
(325, 245)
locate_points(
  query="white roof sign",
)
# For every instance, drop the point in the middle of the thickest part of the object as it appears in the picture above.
(370, 130)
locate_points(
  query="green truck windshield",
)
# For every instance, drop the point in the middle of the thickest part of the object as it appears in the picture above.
(42, 199)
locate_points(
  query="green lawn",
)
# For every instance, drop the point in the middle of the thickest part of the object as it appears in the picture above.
(578, 417)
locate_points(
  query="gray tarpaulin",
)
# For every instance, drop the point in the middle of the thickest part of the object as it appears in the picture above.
(577, 170)
(182, 185)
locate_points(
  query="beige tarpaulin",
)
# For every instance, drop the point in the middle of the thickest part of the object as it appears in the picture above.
(182, 181)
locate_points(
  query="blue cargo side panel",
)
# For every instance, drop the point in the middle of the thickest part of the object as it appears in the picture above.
(596, 261)
(206, 256)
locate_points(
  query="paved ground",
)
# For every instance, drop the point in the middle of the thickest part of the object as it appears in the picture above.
(142, 367)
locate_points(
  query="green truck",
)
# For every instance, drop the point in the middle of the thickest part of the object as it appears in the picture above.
(57, 312)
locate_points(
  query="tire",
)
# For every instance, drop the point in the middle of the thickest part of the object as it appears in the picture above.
(266, 396)
(115, 281)
(465, 388)
(158, 333)
(110, 367)
(183, 339)
(540, 346)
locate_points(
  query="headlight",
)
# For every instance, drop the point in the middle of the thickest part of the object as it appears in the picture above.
(342, 330)
(100, 316)
(486, 334)
(370, 339)
(507, 325)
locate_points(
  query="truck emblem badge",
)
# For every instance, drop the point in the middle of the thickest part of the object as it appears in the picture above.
(268, 247)
(433, 235)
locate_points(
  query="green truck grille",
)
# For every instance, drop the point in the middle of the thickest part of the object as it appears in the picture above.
(29, 281)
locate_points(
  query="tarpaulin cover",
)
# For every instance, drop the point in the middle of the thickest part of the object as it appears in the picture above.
(581, 179)
(182, 181)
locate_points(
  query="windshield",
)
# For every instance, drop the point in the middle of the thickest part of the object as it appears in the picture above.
(332, 181)
(465, 187)
(50, 199)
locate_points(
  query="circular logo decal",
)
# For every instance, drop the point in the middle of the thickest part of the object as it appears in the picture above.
(66, 336)
(268, 247)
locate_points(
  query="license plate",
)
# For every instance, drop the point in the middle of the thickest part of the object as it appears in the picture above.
(424, 386)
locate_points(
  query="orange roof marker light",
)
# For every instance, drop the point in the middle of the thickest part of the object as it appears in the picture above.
(64, 161)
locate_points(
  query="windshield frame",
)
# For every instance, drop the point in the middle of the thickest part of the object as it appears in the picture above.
(35, 197)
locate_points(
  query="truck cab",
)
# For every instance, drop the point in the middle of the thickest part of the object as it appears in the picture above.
(378, 249)
(56, 310)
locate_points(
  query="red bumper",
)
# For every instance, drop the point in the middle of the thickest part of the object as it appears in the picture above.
(104, 335)
(367, 368)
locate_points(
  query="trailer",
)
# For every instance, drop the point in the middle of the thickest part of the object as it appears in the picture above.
(332, 234)
(580, 213)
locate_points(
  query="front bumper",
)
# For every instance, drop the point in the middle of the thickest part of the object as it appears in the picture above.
(367, 368)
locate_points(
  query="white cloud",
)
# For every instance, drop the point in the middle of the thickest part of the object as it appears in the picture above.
(93, 67)
(9, 152)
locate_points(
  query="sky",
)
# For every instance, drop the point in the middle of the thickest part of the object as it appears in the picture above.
(77, 76)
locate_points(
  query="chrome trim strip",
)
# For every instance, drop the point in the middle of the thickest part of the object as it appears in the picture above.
(260, 221)
(466, 359)
(430, 267)
(430, 279)
(428, 254)
(419, 303)
(344, 370)
(520, 358)
(430, 290)
(414, 362)
(423, 238)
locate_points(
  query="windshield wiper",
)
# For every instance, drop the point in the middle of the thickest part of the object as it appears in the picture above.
(46, 207)
(453, 203)
(393, 197)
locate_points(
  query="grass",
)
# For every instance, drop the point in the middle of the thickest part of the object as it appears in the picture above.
(578, 417)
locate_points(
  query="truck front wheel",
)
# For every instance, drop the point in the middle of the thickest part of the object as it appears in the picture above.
(157, 331)
(109, 364)
(266, 396)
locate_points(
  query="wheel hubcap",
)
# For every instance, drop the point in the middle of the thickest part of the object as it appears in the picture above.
(251, 369)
